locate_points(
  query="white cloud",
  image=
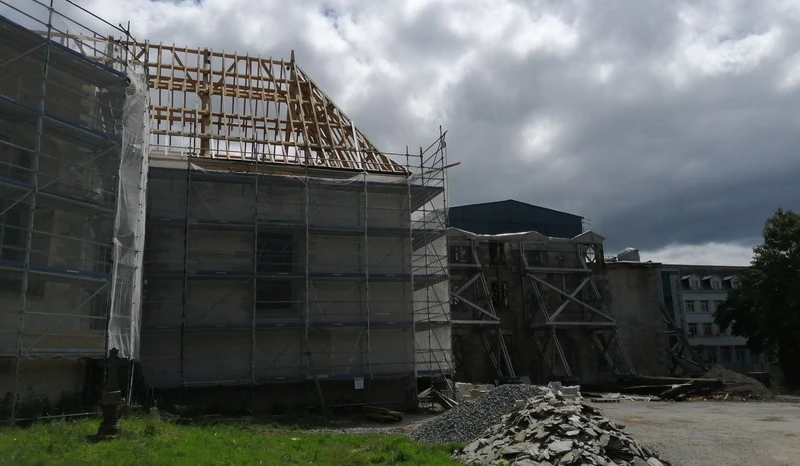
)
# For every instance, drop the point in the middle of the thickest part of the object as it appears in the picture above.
(711, 43)
(539, 137)
(712, 253)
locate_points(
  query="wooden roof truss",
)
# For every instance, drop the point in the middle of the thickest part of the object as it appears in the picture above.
(239, 107)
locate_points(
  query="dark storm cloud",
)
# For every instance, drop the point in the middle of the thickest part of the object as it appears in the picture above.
(661, 122)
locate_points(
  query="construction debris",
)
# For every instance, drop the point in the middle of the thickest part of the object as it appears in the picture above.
(468, 420)
(617, 397)
(738, 386)
(550, 430)
(471, 391)
(716, 384)
(672, 388)
(382, 414)
(573, 391)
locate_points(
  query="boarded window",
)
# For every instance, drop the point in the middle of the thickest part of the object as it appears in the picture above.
(497, 253)
(274, 253)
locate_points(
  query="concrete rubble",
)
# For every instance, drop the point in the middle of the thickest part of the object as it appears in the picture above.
(553, 430)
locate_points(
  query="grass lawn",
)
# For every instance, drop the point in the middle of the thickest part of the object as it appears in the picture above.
(146, 441)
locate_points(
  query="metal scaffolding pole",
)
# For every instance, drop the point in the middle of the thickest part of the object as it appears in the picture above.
(254, 309)
(32, 210)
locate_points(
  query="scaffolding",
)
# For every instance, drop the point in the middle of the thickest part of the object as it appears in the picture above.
(567, 303)
(283, 246)
(527, 287)
(473, 302)
(72, 182)
(279, 232)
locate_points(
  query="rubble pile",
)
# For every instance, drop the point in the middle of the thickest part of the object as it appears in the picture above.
(552, 430)
(468, 420)
(737, 386)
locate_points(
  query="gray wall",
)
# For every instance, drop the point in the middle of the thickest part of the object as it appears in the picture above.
(633, 291)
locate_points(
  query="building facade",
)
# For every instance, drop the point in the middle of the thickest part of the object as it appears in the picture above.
(694, 294)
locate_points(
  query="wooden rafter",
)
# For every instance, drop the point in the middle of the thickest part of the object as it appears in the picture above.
(236, 107)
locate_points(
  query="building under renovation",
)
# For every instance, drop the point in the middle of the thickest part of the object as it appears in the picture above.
(280, 242)
(72, 171)
(285, 255)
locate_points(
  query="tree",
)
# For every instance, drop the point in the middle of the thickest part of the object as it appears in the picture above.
(766, 307)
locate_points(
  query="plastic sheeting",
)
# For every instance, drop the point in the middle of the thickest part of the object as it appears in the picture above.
(129, 225)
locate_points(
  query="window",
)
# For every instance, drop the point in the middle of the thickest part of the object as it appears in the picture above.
(275, 252)
(500, 293)
(692, 330)
(460, 255)
(689, 306)
(706, 329)
(497, 253)
(274, 296)
(694, 283)
(716, 283)
(704, 306)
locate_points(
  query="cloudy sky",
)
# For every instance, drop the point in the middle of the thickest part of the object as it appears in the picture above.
(671, 126)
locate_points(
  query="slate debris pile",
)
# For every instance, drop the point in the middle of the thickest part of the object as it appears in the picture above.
(467, 421)
(551, 430)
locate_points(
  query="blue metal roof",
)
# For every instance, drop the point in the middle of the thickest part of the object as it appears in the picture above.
(512, 216)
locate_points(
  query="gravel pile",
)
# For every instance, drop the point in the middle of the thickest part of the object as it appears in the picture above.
(467, 421)
(739, 384)
(551, 430)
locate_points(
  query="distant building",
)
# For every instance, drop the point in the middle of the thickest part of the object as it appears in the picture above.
(694, 293)
(510, 216)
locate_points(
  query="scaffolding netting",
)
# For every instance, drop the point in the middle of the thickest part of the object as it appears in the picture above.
(72, 175)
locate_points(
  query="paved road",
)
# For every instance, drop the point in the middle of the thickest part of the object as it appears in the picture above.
(714, 433)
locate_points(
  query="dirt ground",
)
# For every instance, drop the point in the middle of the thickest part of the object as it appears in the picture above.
(714, 433)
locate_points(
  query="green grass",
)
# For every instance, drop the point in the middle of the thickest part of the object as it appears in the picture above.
(146, 441)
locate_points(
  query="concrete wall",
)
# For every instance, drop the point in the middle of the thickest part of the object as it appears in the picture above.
(634, 300)
(50, 380)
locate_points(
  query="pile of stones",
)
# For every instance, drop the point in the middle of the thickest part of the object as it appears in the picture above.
(552, 430)
(469, 420)
(737, 386)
